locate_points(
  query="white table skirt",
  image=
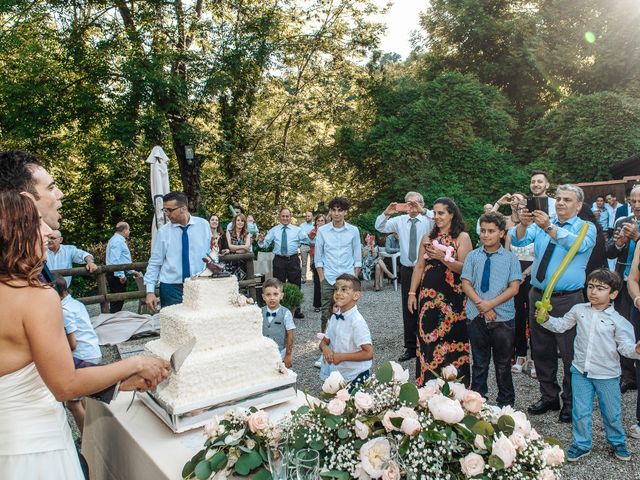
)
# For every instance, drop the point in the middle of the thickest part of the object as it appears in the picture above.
(136, 445)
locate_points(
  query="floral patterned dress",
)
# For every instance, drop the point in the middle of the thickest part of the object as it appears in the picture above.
(442, 328)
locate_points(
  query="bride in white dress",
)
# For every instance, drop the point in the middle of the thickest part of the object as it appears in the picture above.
(37, 371)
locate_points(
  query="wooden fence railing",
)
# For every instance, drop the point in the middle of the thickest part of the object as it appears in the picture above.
(104, 297)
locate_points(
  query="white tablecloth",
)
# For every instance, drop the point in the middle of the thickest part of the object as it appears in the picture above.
(136, 445)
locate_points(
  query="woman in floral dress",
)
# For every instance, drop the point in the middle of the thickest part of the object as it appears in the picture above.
(436, 290)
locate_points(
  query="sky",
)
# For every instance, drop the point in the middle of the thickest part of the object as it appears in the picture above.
(401, 19)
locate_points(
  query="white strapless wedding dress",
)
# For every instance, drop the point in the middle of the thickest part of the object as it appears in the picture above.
(35, 438)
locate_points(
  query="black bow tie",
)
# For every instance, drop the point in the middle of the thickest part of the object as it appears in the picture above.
(269, 314)
(339, 316)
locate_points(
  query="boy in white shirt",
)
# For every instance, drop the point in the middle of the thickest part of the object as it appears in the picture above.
(602, 335)
(347, 343)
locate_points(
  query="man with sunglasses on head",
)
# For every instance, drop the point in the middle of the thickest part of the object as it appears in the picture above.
(177, 251)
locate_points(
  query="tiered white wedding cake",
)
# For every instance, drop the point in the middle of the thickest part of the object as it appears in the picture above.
(230, 361)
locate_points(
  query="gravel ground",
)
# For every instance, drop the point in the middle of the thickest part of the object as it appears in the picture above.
(382, 312)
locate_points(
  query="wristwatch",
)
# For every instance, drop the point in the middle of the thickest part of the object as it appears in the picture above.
(549, 228)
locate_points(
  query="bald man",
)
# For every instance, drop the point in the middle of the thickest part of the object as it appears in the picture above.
(60, 257)
(118, 253)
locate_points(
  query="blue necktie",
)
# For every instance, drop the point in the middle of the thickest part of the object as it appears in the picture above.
(339, 316)
(186, 269)
(283, 241)
(269, 314)
(486, 273)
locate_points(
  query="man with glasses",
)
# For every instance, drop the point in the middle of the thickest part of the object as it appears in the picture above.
(61, 256)
(177, 252)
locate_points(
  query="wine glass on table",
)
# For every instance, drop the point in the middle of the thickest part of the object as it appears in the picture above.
(307, 464)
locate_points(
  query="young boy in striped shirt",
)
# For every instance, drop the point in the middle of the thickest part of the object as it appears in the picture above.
(491, 277)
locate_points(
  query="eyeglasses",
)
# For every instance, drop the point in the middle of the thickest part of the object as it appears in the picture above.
(171, 210)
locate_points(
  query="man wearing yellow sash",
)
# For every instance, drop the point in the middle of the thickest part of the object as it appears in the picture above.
(552, 239)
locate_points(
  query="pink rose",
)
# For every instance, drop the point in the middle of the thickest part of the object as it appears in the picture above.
(478, 442)
(553, 456)
(473, 402)
(336, 406)
(363, 401)
(212, 429)
(343, 395)
(375, 456)
(386, 421)
(458, 390)
(518, 441)
(449, 372)
(410, 426)
(258, 421)
(445, 409)
(504, 450)
(360, 474)
(392, 472)
(406, 412)
(426, 393)
(546, 474)
(534, 435)
(333, 383)
(362, 430)
(522, 424)
(472, 465)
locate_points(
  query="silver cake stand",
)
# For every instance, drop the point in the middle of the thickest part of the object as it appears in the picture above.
(195, 415)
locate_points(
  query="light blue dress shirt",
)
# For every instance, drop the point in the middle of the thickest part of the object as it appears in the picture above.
(88, 347)
(402, 226)
(306, 227)
(165, 263)
(574, 276)
(338, 250)
(65, 257)
(295, 237)
(505, 268)
(118, 253)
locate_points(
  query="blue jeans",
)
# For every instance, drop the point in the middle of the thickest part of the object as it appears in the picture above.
(609, 398)
(170, 294)
(497, 338)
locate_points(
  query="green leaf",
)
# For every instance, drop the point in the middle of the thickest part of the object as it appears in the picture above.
(299, 441)
(469, 421)
(409, 394)
(496, 462)
(404, 447)
(445, 389)
(303, 409)
(203, 470)
(432, 436)
(483, 428)
(262, 474)
(317, 445)
(218, 461)
(255, 459)
(506, 424)
(332, 421)
(247, 462)
(553, 441)
(343, 433)
(188, 469)
(385, 373)
(335, 474)
(396, 421)
(263, 453)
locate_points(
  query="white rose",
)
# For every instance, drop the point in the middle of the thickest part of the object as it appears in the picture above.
(406, 412)
(449, 372)
(363, 401)
(518, 441)
(506, 410)
(375, 455)
(436, 383)
(425, 393)
(362, 430)
(445, 409)
(472, 465)
(360, 474)
(386, 421)
(546, 474)
(333, 383)
(458, 390)
(522, 424)
(250, 443)
(553, 456)
(258, 421)
(212, 429)
(336, 406)
(343, 394)
(392, 472)
(472, 402)
(400, 375)
(504, 450)
(478, 442)
(534, 435)
(410, 426)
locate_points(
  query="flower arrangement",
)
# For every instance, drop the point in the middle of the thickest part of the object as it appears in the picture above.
(236, 445)
(390, 429)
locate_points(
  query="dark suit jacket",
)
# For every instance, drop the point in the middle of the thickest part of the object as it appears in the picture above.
(623, 211)
(622, 302)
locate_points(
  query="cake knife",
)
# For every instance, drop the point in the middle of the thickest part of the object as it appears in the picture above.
(180, 355)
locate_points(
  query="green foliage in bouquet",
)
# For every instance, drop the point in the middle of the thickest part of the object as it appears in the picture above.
(293, 296)
(236, 445)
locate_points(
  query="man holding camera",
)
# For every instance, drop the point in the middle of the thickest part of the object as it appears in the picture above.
(410, 227)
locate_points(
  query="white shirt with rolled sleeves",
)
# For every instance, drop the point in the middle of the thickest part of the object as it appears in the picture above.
(402, 226)
(338, 251)
(348, 336)
(165, 263)
(601, 337)
(65, 257)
